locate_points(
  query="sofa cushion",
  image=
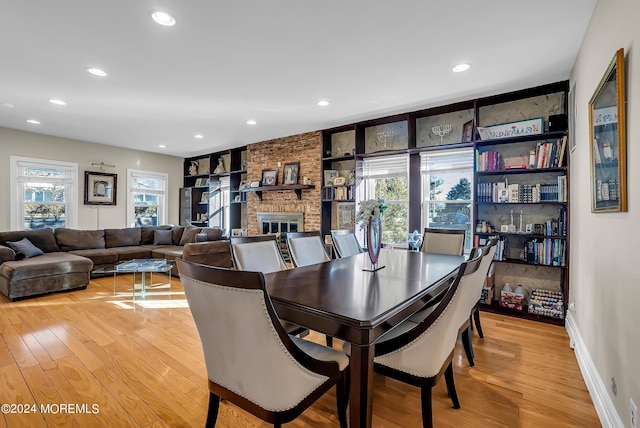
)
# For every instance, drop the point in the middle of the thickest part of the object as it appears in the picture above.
(25, 249)
(130, 253)
(177, 234)
(45, 265)
(122, 237)
(189, 235)
(162, 237)
(41, 238)
(99, 256)
(72, 239)
(169, 253)
(147, 233)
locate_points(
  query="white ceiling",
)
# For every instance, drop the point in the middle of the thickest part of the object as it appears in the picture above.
(226, 62)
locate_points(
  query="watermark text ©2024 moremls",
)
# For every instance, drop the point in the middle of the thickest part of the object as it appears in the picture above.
(52, 408)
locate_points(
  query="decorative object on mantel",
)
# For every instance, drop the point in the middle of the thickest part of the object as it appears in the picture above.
(290, 173)
(270, 177)
(369, 217)
(441, 130)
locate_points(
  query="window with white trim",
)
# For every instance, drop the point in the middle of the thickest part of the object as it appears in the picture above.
(447, 190)
(387, 177)
(43, 193)
(146, 198)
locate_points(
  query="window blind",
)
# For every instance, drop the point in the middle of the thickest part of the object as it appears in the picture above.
(459, 160)
(386, 166)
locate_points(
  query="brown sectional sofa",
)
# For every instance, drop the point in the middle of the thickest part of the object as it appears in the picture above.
(70, 255)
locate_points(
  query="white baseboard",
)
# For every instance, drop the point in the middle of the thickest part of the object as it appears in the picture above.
(607, 413)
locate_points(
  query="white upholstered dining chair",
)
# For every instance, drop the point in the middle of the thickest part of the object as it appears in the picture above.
(306, 248)
(251, 361)
(443, 241)
(345, 243)
(260, 253)
(421, 353)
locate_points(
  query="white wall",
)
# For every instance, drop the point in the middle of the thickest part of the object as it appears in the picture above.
(605, 264)
(27, 144)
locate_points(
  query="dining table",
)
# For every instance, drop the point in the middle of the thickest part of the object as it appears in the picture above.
(343, 298)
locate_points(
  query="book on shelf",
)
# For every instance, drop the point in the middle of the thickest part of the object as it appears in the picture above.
(547, 251)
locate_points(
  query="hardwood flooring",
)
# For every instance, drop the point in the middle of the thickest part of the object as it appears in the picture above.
(91, 358)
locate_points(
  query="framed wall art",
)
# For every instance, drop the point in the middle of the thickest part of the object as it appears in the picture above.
(608, 140)
(100, 188)
(290, 174)
(270, 177)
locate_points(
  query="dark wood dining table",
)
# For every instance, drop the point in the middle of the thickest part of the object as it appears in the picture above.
(340, 299)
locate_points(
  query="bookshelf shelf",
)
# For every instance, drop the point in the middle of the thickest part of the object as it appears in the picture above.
(522, 171)
(522, 262)
(521, 203)
(495, 308)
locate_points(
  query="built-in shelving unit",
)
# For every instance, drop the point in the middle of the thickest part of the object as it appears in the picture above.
(212, 195)
(457, 126)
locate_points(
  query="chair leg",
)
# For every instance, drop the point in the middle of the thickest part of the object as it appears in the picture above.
(476, 317)
(342, 396)
(425, 398)
(451, 386)
(329, 341)
(471, 322)
(214, 405)
(466, 342)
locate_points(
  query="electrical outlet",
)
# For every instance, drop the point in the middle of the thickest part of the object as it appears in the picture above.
(634, 413)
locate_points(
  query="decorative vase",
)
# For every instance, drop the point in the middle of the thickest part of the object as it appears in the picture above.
(374, 242)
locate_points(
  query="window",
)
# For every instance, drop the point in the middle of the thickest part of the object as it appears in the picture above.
(388, 178)
(43, 193)
(146, 198)
(447, 178)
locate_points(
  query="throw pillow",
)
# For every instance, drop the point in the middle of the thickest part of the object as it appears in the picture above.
(25, 249)
(162, 237)
(202, 237)
(189, 234)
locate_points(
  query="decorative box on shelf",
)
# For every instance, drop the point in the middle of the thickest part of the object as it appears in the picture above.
(546, 302)
(512, 300)
(487, 295)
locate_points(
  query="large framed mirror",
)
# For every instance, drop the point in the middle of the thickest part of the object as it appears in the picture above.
(608, 141)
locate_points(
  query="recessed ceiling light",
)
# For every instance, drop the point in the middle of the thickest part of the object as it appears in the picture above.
(96, 71)
(7, 105)
(251, 122)
(461, 67)
(163, 18)
(58, 102)
(323, 103)
(162, 146)
(198, 136)
(33, 122)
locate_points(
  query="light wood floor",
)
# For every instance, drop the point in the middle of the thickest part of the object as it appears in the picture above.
(141, 365)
